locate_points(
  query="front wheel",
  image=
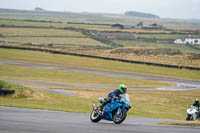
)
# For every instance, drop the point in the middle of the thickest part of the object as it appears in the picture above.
(94, 116)
(189, 118)
(119, 118)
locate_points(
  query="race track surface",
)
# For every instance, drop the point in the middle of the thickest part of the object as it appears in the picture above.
(22, 120)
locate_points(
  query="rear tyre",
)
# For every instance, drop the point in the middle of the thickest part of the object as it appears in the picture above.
(95, 117)
(118, 119)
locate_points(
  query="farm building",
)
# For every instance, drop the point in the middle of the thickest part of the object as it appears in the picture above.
(154, 26)
(187, 41)
(118, 26)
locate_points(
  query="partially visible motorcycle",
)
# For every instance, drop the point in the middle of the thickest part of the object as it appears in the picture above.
(193, 113)
(115, 111)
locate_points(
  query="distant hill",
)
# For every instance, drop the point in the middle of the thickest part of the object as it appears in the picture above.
(98, 18)
(140, 14)
(39, 9)
(35, 11)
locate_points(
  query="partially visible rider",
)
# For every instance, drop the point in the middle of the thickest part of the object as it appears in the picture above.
(196, 103)
(120, 90)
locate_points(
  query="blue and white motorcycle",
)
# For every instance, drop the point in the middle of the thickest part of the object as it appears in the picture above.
(193, 113)
(115, 111)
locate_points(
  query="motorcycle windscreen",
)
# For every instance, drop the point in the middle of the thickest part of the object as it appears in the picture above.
(126, 97)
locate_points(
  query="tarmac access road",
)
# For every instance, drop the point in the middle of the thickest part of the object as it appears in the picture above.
(22, 120)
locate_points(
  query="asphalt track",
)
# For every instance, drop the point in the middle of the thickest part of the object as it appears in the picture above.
(21, 120)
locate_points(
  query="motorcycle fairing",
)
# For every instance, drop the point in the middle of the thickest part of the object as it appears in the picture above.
(109, 110)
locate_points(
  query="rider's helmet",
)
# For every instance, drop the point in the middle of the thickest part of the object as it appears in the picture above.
(122, 88)
(196, 100)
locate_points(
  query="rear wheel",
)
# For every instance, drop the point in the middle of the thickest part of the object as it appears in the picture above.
(119, 118)
(94, 116)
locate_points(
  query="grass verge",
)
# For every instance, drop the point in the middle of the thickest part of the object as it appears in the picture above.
(31, 98)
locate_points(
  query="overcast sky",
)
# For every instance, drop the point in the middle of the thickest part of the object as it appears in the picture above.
(163, 8)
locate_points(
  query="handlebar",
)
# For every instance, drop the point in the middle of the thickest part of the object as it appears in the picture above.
(116, 98)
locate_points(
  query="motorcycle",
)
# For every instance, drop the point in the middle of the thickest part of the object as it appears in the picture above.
(115, 111)
(193, 113)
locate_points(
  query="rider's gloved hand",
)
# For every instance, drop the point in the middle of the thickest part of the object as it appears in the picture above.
(115, 98)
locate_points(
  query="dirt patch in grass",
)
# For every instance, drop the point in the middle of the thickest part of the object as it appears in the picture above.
(83, 92)
(187, 123)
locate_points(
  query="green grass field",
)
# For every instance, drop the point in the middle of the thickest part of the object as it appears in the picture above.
(40, 74)
(60, 38)
(182, 47)
(49, 24)
(38, 32)
(96, 64)
(54, 40)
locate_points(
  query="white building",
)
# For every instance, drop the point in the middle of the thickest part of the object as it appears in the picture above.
(187, 41)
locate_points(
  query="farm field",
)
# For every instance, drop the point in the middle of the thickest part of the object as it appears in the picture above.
(82, 39)
(182, 47)
(37, 32)
(160, 36)
(98, 18)
(22, 23)
(98, 27)
(54, 40)
(47, 36)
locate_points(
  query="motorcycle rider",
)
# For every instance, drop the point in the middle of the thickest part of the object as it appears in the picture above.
(196, 103)
(116, 94)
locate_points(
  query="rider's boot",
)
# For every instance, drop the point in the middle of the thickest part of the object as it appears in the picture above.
(103, 105)
(101, 108)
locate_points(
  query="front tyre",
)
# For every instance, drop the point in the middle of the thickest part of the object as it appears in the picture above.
(95, 117)
(189, 118)
(118, 119)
